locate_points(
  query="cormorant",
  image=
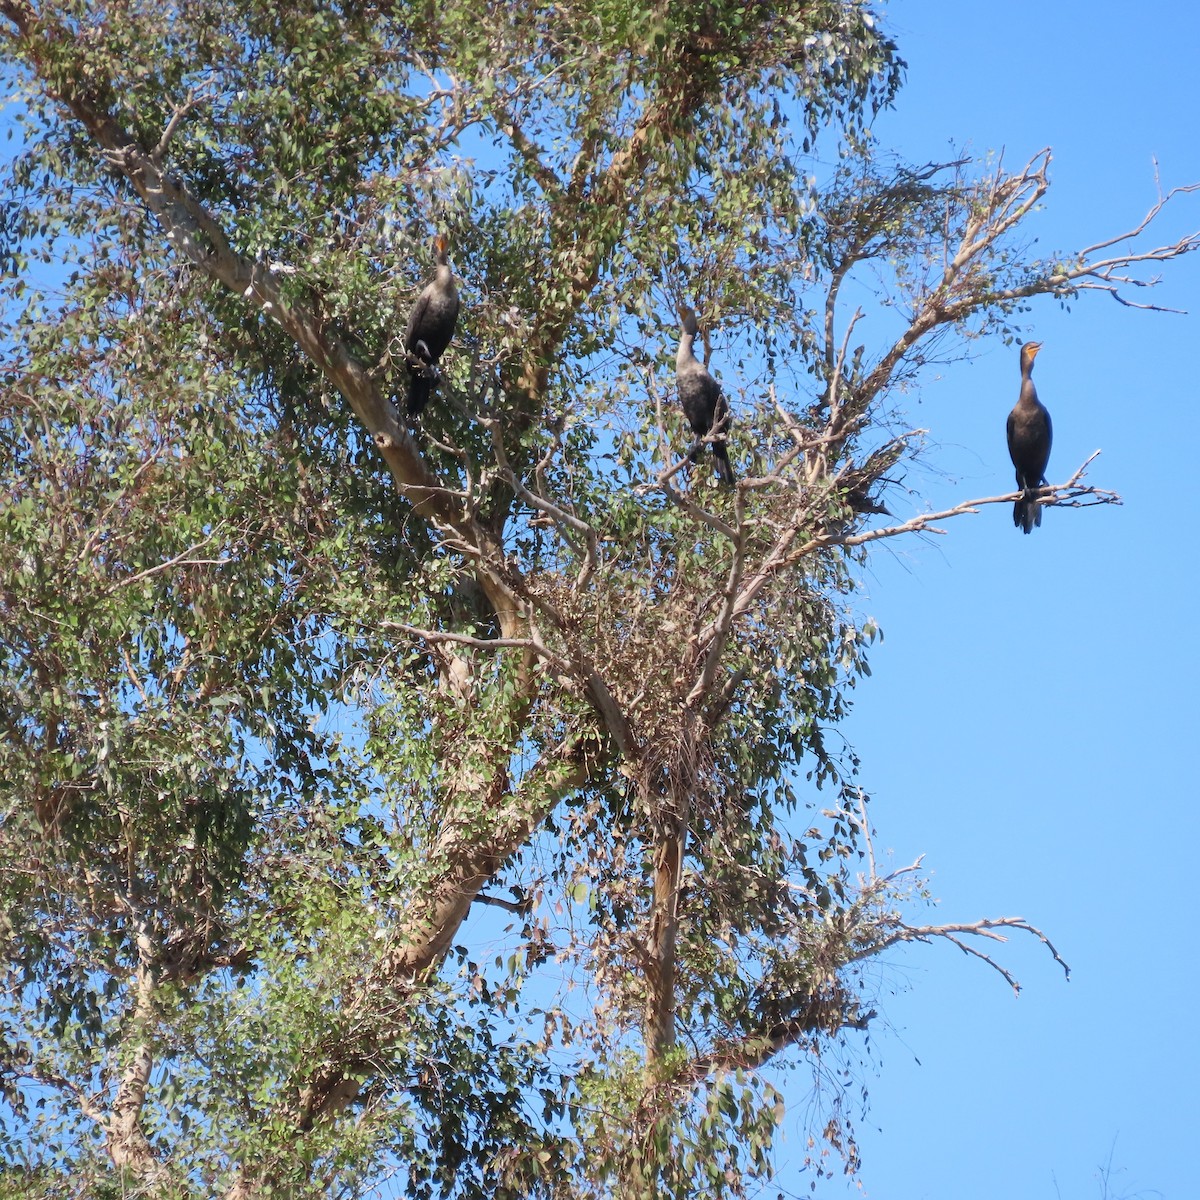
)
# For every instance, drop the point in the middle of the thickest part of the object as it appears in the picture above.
(430, 328)
(1029, 437)
(700, 395)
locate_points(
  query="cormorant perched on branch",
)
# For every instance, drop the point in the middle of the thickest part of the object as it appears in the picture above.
(1029, 437)
(705, 408)
(430, 328)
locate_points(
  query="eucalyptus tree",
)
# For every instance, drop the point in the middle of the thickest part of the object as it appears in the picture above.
(451, 802)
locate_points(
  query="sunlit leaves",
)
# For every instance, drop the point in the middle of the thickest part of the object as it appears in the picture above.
(238, 778)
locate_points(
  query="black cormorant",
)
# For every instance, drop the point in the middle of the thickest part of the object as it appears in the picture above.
(430, 328)
(1029, 437)
(700, 395)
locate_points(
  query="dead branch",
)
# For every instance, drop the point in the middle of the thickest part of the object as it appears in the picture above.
(1155, 209)
(968, 283)
(1066, 495)
(786, 554)
(955, 933)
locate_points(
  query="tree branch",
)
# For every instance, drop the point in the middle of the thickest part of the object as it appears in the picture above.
(127, 1143)
(785, 554)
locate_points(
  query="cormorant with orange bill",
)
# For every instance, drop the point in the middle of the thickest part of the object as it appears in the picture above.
(1029, 437)
(700, 395)
(430, 328)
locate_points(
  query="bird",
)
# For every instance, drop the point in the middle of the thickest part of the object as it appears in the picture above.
(430, 328)
(700, 396)
(1029, 437)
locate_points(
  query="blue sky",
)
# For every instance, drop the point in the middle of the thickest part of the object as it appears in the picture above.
(1030, 720)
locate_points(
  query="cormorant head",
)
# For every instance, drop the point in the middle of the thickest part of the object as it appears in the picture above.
(687, 317)
(1029, 352)
(441, 247)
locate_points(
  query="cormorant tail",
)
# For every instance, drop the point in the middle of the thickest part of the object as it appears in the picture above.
(420, 389)
(1027, 514)
(724, 470)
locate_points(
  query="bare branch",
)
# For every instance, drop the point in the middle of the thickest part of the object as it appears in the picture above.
(986, 928)
(785, 553)
(1066, 495)
(839, 367)
(971, 282)
(1147, 220)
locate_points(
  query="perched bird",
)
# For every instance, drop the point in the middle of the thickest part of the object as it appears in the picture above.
(430, 328)
(700, 395)
(1029, 437)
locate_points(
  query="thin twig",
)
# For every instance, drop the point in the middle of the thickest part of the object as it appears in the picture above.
(179, 560)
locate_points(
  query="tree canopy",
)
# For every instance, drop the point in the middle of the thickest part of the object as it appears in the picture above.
(454, 803)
